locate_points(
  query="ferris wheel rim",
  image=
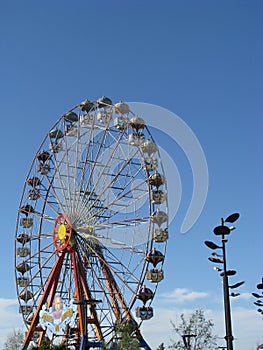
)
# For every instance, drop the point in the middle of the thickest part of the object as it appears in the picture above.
(77, 231)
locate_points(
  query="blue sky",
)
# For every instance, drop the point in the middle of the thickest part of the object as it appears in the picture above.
(201, 60)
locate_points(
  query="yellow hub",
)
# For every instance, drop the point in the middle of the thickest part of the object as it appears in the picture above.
(62, 232)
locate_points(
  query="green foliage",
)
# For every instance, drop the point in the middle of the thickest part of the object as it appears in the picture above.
(198, 326)
(48, 346)
(43, 346)
(60, 347)
(14, 340)
(128, 342)
(126, 337)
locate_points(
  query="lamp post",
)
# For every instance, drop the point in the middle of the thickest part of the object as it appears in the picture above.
(223, 231)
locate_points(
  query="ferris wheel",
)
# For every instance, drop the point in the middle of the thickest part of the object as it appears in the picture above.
(91, 229)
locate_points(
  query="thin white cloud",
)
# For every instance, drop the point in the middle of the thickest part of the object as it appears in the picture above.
(246, 325)
(10, 318)
(244, 296)
(180, 295)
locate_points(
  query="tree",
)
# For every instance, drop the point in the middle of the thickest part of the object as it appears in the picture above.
(161, 347)
(199, 329)
(48, 346)
(44, 346)
(14, 340)
(126, 338)
(128, 342)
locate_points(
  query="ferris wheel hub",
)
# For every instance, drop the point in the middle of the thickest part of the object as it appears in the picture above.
(62, 232)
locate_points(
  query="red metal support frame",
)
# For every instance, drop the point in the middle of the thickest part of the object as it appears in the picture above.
(52, 280)
(94, 318)
(78, 295)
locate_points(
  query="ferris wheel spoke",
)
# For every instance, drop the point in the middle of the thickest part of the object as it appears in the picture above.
(39, 271)
(130, 221)
(119, 268)
(49, 188)
(42, 250)
(44, 190)
(75, 150)
(86, 184)
(108, 291)
(115, 201)
(122, 222)
(86, 160)
(103, 185)
(70, 171)
(124, 275)
(110, 270)
(106, 314)
(109, 186)
(112, 285)
(95, 159)
(107, 167)
(58, 187)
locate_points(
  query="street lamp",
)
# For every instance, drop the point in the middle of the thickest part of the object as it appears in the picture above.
(256, 295)
(259, 296)
(216, 260)
(223, 231)
(217, 269)
(236, 285)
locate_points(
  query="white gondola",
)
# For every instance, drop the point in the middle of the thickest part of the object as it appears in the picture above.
(104, 117)
(43, 169)
(136, 139)
(159, 217)
(137, 122)
(160, 235)
(86, 120)
(33, 195)
(120, 123)
(122, 108)
(22, 281)
(144, 312)
(22, 252)
(71, 130)
(155, 275)
(150, 163)
(158, 196)
(26, 222)
(55, 147)
(25, 309)
(149, 147)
